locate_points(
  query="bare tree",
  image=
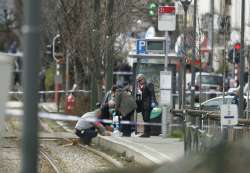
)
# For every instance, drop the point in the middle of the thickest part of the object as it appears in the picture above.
(86, 32)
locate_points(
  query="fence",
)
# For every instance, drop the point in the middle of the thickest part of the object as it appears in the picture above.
(202, 130)
(82, 99)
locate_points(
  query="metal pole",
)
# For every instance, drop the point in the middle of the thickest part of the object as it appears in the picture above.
(242, 59)
(31, 40)
(96, 48)
(58, 75)
(166, 121)
(67, 74)
(180, 84)
(193, 57)
(110, 46)
(212, 36)
(135, 70)
(248, 107)
(166, 62)
(184, 63)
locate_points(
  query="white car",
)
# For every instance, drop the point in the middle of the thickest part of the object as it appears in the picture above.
(215, 103)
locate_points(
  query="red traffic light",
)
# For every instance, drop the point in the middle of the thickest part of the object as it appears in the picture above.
(237, 46)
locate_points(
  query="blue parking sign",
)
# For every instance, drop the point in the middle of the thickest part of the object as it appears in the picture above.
(140, 46)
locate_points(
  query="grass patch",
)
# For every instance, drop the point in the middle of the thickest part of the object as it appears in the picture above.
(177, 134)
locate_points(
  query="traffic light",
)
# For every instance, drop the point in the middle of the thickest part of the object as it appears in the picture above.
(237, 53)
(49, 49)
(152, 9)
(58, 46)
(234, 54)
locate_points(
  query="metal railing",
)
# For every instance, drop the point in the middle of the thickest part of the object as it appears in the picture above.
(202, 130)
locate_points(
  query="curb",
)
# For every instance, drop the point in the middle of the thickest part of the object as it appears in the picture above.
(138, 155)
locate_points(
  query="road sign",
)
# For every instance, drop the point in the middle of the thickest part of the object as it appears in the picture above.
(229, 114)
(165, 87)
(140, 47)
(166, 18)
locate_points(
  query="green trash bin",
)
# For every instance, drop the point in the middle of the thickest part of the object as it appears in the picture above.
(155, 117)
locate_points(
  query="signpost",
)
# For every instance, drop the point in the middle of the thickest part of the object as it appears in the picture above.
(166, 22)
(165, 87)
(140, 46)
(229, 114)
(229, 117)
(166, 18)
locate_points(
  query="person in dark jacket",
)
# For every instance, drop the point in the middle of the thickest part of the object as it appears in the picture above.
(106, 113)
(42, 78)
(148, 101)
(236, 99)
(125, 105)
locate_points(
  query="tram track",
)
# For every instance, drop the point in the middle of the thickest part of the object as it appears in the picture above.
(74, 142)
(67, 156)
(50, 161)
(60, 150)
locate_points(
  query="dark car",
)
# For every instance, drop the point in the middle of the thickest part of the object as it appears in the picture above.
(208, 82)
(207, 86)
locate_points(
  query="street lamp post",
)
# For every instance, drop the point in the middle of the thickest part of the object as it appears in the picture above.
(193, 57)
(58, 78)
(185, 4)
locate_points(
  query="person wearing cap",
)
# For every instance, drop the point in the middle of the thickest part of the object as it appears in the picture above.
(89, 125)
(148, 101)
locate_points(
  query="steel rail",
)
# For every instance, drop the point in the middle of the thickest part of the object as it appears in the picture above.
(44, 154)
(111, 160)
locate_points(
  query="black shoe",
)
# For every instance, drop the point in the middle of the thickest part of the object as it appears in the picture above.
(85, 141)
(126, 135)
(145, 136)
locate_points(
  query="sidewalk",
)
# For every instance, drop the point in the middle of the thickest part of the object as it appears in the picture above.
(146, 151)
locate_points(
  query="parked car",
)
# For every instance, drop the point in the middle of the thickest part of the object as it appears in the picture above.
(207, 86)
(215, 103)
(208, 81)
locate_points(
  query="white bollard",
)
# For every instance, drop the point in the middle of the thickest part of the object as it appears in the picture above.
(5, 78)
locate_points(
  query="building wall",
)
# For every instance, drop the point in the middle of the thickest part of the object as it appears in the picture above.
(6, 4)
(204, 6)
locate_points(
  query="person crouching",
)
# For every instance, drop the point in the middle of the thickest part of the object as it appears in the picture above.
(88, 126)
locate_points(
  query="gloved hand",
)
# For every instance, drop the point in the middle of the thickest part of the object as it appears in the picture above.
(153, 104)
